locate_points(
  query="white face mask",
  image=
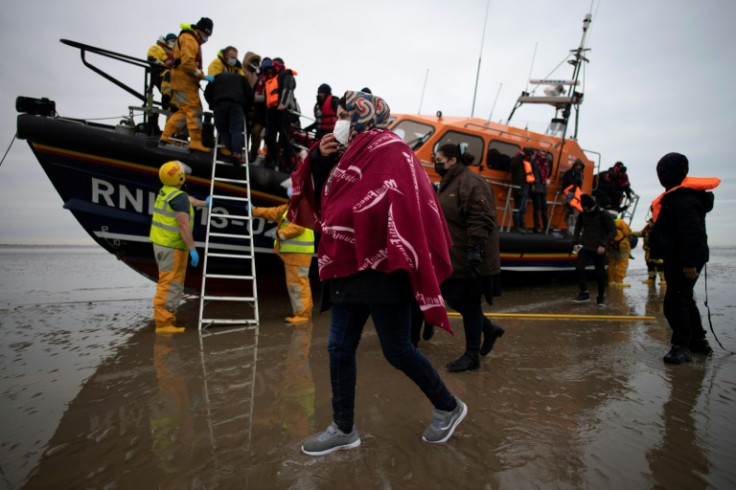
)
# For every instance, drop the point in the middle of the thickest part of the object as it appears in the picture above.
(342, 131)
(232, 61)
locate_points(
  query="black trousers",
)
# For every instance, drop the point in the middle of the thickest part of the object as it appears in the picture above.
(680, 308)
(599, 261)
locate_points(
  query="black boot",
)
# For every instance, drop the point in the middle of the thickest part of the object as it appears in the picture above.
(490, 334)
(678, 355)
(701, 346)
(467, 362)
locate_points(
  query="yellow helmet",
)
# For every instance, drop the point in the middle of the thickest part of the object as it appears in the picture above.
(172, 173)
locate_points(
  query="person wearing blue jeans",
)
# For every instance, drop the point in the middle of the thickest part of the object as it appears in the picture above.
(357, 177)
(392, 323)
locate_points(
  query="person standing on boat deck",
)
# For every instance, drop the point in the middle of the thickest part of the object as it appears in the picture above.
(594, 229)
(171, 233)
(325, 110)
(251, 65)
(384, 246)
(539, 190)
(469, 206)
(186, 74)
(520, 190)
(680, 238)
(280, 102)
(230, 98)
(294, 245)
(226, 61)
(161, 58)
(572, 189)
(259, 107)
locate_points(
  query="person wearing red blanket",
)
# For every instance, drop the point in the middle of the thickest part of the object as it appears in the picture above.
(384, 245)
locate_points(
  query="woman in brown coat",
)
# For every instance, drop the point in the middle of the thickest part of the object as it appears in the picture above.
(469, 207)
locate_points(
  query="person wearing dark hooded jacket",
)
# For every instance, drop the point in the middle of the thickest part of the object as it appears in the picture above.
(679, 237)
(468, 205)
(594, 229)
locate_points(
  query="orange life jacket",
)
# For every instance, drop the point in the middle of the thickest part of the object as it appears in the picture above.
(528, 171)
(575, 199)
(329, 116)
(695, 183)
(272, 91)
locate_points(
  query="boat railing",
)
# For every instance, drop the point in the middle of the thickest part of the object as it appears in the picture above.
(542, 142)
(84, 49)
(506, 212)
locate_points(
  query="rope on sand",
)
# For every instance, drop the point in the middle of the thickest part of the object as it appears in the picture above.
(561, 316)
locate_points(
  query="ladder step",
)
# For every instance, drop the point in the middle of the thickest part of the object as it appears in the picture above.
(228, 276)
(229, 216)
(228, 321)
(228, 298)
(231, 419)
(230, 235)
(230, 256)
(229, 198)
(232, 181)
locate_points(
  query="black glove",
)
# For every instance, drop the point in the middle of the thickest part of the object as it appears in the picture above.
(475, 259)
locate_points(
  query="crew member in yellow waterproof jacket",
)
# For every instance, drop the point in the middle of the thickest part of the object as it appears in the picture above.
(185, 76)
(171, 233)
(294, 244)
(618, 253)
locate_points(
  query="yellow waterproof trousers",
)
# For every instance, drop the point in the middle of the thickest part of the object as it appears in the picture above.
(189, 114)
(300, 291)
(618, 264)
(172, 269)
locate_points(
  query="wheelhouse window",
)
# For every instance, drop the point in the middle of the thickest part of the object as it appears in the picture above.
(500, 154)
(413, 133)
(473, 144)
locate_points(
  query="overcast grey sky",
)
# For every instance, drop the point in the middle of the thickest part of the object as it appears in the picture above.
(660, 76)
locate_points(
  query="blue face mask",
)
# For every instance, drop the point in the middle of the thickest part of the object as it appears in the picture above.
(232, 61)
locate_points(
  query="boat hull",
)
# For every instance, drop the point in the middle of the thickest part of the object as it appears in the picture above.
(108, 179)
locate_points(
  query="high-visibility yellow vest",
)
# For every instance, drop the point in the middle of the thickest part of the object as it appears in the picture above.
(164, 227)
(302, 244)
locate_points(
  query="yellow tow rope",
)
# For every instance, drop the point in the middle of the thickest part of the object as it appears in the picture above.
(561, 316)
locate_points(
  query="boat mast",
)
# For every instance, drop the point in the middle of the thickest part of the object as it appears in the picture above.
(577, 97)
(556, 96)
(480, 57)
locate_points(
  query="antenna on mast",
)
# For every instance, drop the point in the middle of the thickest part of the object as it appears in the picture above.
(531, 66)
(480, 57)
(426, 75)
(498, 92)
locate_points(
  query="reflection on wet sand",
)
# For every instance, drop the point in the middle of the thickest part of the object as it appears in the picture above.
(679, 460)
(558, 404)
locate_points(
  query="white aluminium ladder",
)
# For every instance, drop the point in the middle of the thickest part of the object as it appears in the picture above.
(229, 255)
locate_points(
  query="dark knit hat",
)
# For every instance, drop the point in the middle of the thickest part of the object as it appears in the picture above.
(205, 25)
(587, 201)
(324, 89)
(672, 169)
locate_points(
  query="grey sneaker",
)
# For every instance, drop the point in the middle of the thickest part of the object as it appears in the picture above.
(444, 423)
(330, 440)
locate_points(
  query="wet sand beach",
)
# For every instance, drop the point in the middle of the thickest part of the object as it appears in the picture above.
(93, 398)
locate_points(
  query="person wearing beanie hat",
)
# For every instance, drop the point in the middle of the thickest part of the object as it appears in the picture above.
(186, 73)
(679, 238)
(594, 230)
(325, 112)
(161, 58)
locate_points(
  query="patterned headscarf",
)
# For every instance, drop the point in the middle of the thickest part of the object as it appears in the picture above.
(366, 111)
